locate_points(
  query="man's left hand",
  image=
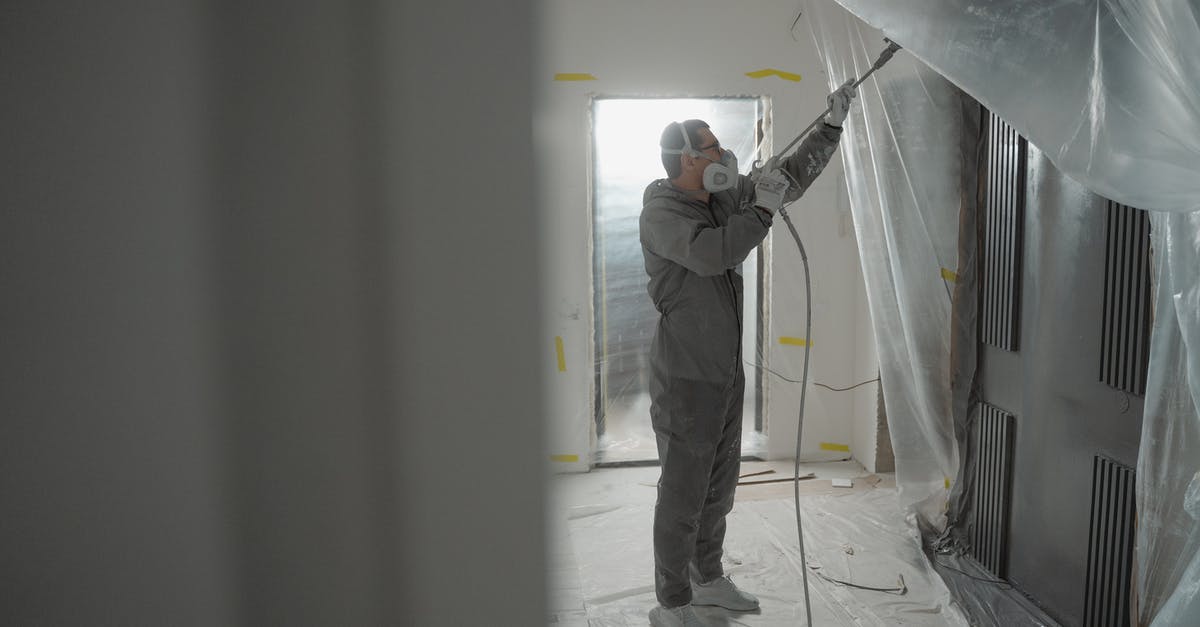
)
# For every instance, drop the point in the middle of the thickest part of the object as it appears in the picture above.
(839, 103)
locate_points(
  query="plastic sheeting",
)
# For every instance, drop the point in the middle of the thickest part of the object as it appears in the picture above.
(856, 535)
(904, 184)
(1107, 90)
(1168, 495)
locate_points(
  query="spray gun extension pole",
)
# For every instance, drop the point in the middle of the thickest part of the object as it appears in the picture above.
(884, 57)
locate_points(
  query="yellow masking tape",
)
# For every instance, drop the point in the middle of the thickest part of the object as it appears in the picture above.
(558, 348)
(793, 341)
(765, 72)
(574, 76)
(949, 275)
(564, 458)
(830, 446)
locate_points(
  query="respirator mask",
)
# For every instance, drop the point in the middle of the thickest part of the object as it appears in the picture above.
(718, 176)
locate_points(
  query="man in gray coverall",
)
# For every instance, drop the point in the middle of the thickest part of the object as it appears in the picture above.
(697, 226)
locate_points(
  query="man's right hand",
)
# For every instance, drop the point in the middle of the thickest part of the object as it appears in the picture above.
(770, 190)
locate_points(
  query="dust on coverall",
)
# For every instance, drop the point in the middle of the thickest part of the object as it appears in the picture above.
(692, 250)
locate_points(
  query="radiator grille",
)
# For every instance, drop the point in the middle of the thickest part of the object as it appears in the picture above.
(1110, 545)
(1125, 338)
(993, 475)
(1004, 214)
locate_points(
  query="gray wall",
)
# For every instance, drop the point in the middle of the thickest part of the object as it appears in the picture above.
(1064, 415)
(269, 315)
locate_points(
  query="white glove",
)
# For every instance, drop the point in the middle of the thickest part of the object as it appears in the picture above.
(770, 190)
(839, 103)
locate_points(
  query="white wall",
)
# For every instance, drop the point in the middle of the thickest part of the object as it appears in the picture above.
(636, 49)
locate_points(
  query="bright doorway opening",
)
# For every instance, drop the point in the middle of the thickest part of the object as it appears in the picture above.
(625, 159)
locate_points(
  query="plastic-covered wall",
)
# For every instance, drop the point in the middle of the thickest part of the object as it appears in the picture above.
(1168, 470)
(1117, 110)
(904, 185)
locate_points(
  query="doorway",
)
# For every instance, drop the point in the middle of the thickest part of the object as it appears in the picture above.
(625, 159)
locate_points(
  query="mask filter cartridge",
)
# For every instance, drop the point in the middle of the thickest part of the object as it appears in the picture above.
(719, 177)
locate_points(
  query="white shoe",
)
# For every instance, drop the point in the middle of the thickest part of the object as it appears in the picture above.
(682, 616)
(722, 593)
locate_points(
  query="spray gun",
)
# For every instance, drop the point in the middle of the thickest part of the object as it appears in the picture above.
(773, 163)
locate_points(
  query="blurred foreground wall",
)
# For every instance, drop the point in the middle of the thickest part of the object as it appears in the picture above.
(269, 315)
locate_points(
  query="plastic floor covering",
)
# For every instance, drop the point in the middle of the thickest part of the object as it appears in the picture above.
(601, 570)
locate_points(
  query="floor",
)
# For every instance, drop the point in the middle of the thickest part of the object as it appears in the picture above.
(601, 570)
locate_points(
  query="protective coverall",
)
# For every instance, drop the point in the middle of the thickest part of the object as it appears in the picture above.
(692, 250)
